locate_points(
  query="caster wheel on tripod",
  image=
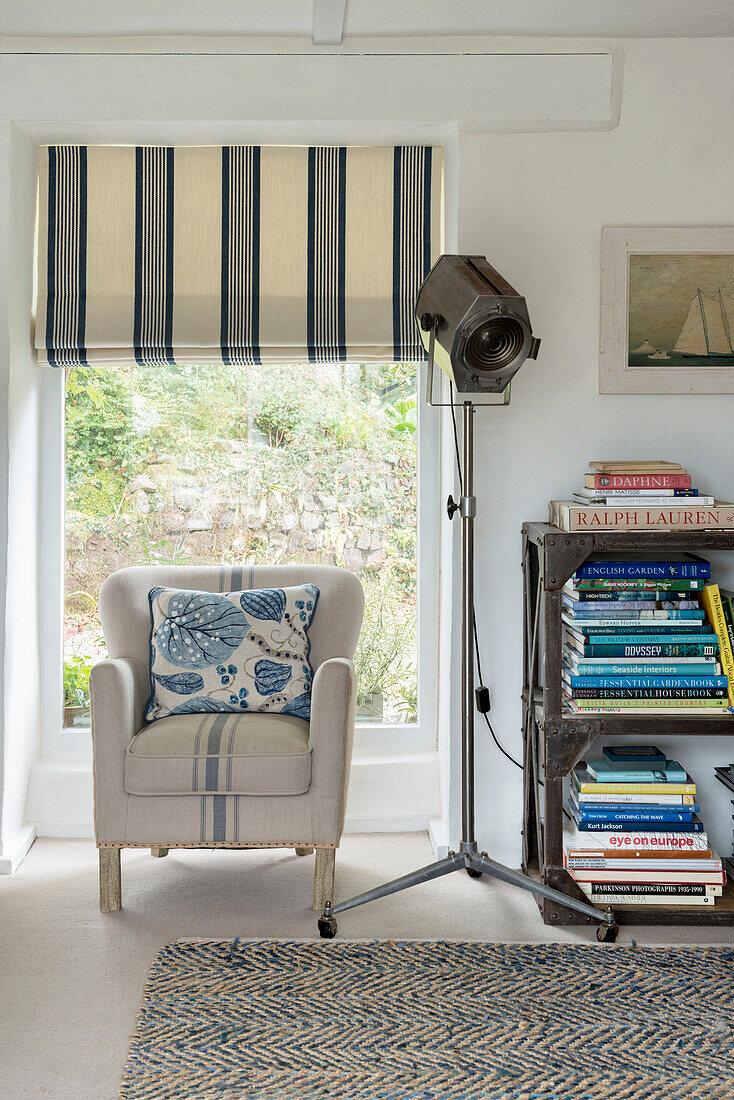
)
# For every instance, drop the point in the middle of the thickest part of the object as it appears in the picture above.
(607, 933)
(327, 928)
(473, 873)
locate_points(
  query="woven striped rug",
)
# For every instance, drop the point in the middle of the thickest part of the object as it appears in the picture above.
(433, 1021)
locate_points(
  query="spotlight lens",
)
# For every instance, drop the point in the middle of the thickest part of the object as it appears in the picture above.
(494, 344)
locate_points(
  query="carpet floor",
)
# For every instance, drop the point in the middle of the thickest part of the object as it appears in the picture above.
(72, 978)
(274, 1020)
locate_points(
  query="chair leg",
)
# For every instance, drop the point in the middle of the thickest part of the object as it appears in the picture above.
(304, 851)
(323, 877)
(159, 852)
(110, 880)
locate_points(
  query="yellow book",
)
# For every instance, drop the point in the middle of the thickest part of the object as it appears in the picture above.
(711, 600)
(582, 781)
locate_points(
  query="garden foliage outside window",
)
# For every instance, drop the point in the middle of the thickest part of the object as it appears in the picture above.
(258, 464)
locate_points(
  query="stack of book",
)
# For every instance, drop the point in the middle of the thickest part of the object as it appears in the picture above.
(634, 495)
(636, 837)
(636, 638)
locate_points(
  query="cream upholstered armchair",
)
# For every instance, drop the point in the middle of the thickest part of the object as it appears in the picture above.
(222, 780)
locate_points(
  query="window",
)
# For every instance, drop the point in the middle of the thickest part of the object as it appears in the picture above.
(193, 465)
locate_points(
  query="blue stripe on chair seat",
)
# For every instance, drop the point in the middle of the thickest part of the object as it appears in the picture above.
(199, 754)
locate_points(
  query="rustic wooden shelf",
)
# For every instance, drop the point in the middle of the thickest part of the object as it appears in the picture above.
(555, 739)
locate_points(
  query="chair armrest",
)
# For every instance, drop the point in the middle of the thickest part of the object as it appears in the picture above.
(333, 705)
(119, 691)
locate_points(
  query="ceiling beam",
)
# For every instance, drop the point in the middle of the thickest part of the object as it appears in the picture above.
(328, 22)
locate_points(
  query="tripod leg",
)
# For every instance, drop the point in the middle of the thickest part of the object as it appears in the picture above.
(452, 862)
(517, 878)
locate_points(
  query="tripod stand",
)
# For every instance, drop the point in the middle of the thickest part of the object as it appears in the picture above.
(468, 858)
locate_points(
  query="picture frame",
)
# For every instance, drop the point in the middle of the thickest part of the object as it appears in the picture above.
(667, 310)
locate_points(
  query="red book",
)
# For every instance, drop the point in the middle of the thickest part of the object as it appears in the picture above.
(638, 481)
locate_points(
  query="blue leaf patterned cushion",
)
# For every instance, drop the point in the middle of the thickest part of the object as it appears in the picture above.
(230, 652)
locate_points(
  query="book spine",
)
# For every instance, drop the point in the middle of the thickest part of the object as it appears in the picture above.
(668, 636)
(654, 670)
(640, 494)
(584, 614)
(711, 600)
(623, 705)
(621, 501)
(604, 773)
(651, 899)
(690, 649)
(648, 590)
(660, 826)
(644, 633)
(647, 818)
(579, 517)
(586, 787)
(639, 481)
(695, 889)
(695, 694)
(726, 604)
(645, 570)
(619, 800)
(638, 807)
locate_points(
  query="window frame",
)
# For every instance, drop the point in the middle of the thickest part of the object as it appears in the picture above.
(370, 738)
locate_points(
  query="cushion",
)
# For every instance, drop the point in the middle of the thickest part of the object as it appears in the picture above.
(253, 754)
(230, 652)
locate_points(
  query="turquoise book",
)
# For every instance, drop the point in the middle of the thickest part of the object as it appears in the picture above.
(604, 772)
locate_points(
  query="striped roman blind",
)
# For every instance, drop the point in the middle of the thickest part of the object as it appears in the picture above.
(234, 254)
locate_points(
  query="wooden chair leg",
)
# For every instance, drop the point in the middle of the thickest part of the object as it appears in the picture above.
(304, 851)
(159, 852)
(110, 880)
(323, 877)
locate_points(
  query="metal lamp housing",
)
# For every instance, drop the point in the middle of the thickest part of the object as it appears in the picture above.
(483, 333)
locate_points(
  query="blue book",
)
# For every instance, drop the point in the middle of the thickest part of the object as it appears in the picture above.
(654, 669)
(683, 566)
(695, 826)
(634, 754)
(649, 818)
(648, 649)
(642, 682)
(603, 772)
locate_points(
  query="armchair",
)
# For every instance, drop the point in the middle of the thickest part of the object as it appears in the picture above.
(221, 780)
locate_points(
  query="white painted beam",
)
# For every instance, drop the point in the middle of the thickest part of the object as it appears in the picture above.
(328, 22)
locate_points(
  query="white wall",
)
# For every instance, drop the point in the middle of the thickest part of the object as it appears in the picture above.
(535, 204)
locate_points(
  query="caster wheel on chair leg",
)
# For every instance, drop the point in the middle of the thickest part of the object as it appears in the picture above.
(473, 873)
(327, 928)
(607, 933)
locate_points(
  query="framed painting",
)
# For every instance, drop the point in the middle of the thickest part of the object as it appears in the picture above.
(667, 311)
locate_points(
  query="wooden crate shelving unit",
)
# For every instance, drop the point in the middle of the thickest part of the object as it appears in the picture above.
(554, 739)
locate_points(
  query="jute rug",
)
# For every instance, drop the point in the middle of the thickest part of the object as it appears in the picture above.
(263, 1020)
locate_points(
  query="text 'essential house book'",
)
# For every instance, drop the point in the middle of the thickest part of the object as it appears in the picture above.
(632, 495)
(620, 658)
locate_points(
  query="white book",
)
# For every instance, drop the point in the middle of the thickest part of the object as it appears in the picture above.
(593, 494)
(687, 866)
(651, 899)
(644, 799)
(620, 501)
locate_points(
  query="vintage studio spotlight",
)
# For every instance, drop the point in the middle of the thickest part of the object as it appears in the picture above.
(476, 327)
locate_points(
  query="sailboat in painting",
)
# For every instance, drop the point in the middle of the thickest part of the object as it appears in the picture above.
(706, 331)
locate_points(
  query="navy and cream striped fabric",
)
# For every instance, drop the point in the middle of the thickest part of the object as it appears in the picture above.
(65, 245)
(234, 254)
